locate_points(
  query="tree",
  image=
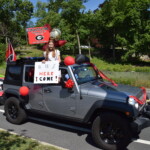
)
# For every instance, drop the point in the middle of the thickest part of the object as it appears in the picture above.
(40, 10)
(71, 12)
(125, 24)
(18, 13)
(24, 11)
(55, 5)
(87, 29)
(14, 16)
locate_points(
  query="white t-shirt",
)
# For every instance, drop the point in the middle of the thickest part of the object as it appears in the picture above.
(50, 57)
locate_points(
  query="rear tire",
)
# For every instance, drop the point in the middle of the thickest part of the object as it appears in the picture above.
(14, 112)
(111, 132)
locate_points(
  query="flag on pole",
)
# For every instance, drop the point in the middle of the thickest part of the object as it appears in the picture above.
(10, 53)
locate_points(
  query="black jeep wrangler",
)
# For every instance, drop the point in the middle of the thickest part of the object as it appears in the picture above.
(114, 112)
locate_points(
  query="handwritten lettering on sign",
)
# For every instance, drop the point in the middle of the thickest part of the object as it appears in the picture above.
(47, 72)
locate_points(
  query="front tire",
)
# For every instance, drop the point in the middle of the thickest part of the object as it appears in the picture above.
(14, 112)
(111, 132)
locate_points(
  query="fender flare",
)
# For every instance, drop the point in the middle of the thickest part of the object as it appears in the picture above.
(15, 93)
(109, 106)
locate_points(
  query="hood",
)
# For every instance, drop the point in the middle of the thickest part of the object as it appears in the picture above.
(106, 90)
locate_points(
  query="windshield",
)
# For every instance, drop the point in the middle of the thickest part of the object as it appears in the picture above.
(84, 73)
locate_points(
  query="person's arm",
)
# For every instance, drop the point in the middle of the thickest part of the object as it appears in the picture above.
(59, 59)
(43, 61)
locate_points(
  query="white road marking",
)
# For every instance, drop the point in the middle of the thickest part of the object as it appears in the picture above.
(78, 128)
(142, 141)
(1, 110)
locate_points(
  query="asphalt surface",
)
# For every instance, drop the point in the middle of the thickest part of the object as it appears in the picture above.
(64, 135)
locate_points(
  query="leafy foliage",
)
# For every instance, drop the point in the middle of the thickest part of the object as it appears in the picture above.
(122, 25)
(14, 15)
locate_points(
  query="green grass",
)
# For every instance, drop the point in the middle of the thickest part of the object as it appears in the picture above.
(125, 74)
(29, 51)
(2, 69)
(137, 79)
(103, 65)
(15, 142)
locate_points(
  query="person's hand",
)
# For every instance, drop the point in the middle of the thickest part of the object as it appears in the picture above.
(43, 61)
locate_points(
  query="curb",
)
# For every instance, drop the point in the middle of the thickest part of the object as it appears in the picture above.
(41, 142)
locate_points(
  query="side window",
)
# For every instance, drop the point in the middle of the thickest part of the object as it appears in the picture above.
(29, 74)
(64, 74)
(14, 73)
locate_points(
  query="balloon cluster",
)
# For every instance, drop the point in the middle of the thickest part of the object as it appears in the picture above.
(54, 35)
(79, 59)
(69, 84)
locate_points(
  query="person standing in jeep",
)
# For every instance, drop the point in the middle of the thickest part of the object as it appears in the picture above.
(52, 54)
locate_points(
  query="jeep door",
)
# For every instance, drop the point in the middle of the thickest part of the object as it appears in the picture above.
(35, 90)
(58, 99)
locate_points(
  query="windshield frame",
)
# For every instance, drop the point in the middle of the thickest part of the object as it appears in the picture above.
(81, 67)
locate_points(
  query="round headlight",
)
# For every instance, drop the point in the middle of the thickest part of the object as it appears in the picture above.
(131, 101)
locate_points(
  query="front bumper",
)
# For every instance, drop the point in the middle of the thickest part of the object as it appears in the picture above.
(142, 121)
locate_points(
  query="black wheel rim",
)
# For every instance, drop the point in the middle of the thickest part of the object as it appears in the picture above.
(111, 133)
(13, 110)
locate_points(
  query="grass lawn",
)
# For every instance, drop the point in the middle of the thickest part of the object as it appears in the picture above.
(10, 141)
(106, 66)
(125, 74)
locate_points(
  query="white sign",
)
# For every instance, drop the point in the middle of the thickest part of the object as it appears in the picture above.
(47, 72)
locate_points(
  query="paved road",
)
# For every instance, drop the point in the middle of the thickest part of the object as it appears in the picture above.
(72, 139)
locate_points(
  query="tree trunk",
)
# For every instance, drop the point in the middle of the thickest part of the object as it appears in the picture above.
(78, 38)
(6, 40)
(89, 49)
(114, 53)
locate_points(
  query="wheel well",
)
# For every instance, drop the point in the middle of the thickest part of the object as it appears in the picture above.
(10, 95)
(98, 111)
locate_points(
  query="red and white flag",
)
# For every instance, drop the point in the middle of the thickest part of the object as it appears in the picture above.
(10, 53)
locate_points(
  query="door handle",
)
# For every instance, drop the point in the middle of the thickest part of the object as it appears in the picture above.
(47, 91)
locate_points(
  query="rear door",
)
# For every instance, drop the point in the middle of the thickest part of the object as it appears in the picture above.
(35, 90)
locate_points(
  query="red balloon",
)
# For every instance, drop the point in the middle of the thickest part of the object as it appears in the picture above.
(56, 43)
(60, 43)
(48, 26)
(69, 60)
(24, 91)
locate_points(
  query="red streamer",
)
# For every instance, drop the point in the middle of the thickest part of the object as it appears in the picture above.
(103, 75)
(69, 84)
(143, 100)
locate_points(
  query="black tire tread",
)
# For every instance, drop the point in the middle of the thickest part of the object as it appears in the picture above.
(22, 116)
(116, 118)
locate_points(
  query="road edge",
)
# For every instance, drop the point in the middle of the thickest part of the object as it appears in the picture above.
(41, 142)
